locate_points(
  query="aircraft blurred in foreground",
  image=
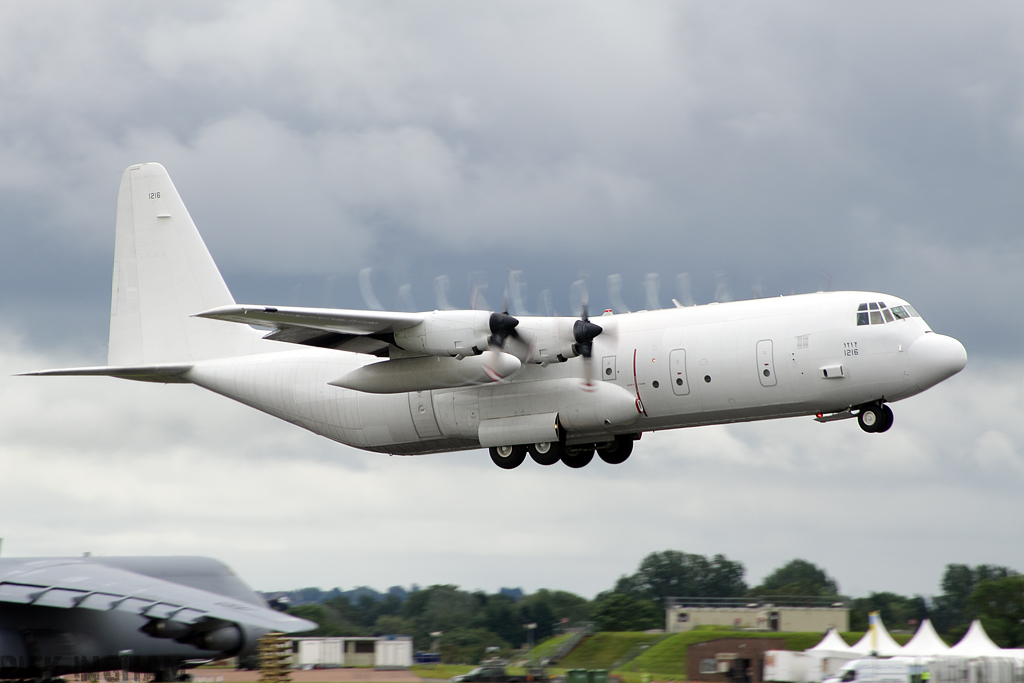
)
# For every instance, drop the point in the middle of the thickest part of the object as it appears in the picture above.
(158, 615)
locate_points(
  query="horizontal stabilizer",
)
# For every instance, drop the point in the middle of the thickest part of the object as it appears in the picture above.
(163, 373)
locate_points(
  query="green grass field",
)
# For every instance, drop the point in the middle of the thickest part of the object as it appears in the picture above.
(548, 647)
(625, 654)
(667, 659)
(446, 671)
(609, 650)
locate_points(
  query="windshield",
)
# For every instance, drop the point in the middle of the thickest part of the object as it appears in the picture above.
(877, 313)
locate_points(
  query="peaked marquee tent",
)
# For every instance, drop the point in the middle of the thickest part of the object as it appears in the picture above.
(926, 642)
(976, 643)
(883, 645)
(832, 644)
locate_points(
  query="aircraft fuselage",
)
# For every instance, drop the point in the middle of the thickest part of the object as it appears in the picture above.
(682, 367)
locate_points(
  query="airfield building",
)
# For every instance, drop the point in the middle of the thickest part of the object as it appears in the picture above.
(774, 613)
(384, 652)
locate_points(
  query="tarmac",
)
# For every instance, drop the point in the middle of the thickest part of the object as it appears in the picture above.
(354, 675)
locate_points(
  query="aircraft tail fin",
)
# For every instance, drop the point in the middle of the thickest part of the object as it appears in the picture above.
(163, 274)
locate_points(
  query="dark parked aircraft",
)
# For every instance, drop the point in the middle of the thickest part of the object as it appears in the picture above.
(156, 615)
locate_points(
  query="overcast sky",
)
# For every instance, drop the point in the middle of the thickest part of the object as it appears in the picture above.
(772, 147)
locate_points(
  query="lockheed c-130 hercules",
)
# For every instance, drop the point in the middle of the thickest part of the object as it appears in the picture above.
(555, 388)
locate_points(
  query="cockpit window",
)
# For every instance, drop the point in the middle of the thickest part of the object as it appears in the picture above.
(876, 313)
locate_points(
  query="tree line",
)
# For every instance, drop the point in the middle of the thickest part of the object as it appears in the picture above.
(470, 622)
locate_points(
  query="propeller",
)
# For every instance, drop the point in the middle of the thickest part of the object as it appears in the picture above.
(502, 326)
(584, 332)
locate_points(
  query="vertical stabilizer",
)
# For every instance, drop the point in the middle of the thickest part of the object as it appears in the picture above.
(163, 274)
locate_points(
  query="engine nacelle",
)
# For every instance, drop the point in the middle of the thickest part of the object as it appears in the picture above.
(597, 406)
(549, 340)
(447, 333)
(224, 639)
(219, 636)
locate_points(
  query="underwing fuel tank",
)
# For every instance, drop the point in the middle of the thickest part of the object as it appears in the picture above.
(431, 372)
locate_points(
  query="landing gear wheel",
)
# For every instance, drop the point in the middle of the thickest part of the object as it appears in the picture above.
(547, 453)
(578, 456)
(508, 457)
(871, 418)
(887, 418)
(616, 452)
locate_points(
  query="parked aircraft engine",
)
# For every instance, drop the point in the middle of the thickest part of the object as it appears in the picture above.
(227, 638)
(219, 635)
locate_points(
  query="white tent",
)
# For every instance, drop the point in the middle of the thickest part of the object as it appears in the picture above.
(975, 643)
(925, 643)
(832, 642)
(829, 655)
(882, 644)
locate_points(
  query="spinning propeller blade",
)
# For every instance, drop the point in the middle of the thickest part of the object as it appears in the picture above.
(584, 332)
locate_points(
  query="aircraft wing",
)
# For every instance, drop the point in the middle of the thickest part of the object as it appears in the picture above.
(71, 584)
(335, 328)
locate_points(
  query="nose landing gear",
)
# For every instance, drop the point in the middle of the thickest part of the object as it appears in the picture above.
(875, 418)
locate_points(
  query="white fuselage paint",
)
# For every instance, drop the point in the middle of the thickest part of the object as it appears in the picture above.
(797, 339)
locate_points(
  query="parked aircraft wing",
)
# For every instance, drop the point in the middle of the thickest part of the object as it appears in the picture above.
(166, 373)
(70, 584)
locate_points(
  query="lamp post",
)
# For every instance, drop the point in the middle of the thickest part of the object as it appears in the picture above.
(436, 645)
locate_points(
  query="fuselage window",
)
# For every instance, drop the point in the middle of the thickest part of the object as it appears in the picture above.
(899, 312)
(911, 311)
(887, 315)
(873, 306)
(862, 307)
(876, 318)
(862, 317)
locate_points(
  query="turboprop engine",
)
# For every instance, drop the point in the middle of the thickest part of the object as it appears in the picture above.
(460, 334)
(448, 333)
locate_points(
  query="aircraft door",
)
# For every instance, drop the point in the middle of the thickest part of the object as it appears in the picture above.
(765, 363)
(677, 368)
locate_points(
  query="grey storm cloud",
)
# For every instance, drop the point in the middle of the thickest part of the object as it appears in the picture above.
(781, 147)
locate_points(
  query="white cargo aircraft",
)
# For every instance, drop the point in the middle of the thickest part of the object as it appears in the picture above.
(553, 388)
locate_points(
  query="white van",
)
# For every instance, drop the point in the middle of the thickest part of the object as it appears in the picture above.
(894, 670)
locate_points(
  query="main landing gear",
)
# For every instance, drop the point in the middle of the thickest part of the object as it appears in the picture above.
(576, 456)
(875, 417)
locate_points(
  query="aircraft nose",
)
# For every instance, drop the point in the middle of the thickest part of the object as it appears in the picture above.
(935, 357)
